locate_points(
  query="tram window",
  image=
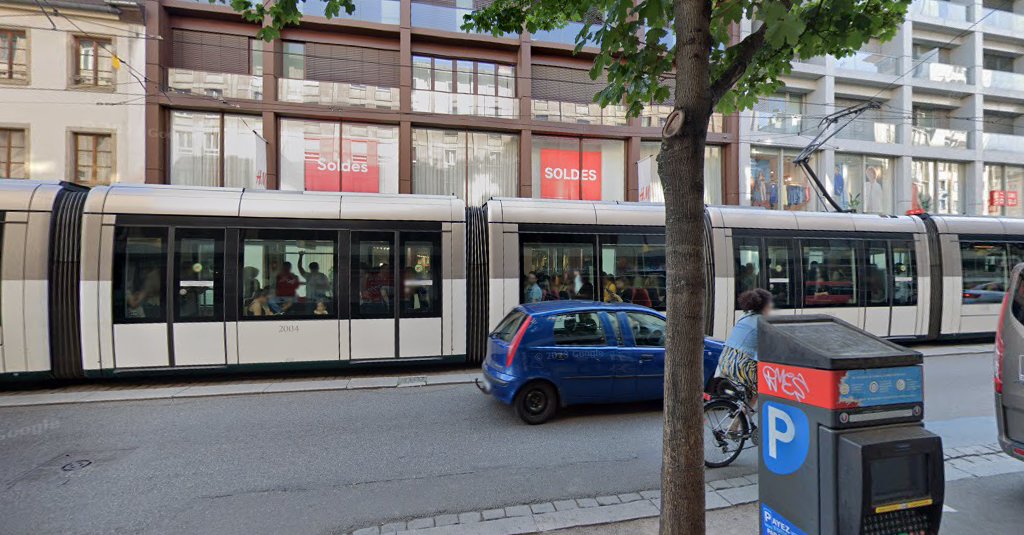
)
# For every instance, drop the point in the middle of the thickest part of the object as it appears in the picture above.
(373, 275)
(830, 273)
(140, 272)
(876, 277)
(780, 273)
(288, 273)
(985, 268)
(582, 329)
(421, 275)
(904, 274)
(748, 264)
(553, 269)
(199, 255)
(633, 270)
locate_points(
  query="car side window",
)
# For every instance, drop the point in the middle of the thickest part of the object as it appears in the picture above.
(579, 329)
(648, 330)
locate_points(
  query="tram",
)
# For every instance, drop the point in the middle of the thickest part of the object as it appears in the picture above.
(143, 279)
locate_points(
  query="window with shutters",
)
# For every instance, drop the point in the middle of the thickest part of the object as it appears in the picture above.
(13, 153)
(339, 75)
(566, 95)
(216, 65)
(94, 63)
(13, 56)
(464, 87)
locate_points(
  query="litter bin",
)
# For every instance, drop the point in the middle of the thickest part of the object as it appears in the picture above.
(843, 449)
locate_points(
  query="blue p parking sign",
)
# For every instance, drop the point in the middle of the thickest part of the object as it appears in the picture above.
(786, 438)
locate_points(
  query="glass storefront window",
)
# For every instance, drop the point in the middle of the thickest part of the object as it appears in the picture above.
(570, 168)
(211, 149)
(862, 183)
(712, 171)
(328, 156)
(936, 186)
(777, 183)
(474, 166)
(1004, 186)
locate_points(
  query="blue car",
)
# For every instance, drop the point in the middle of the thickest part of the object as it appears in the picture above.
(551, 354)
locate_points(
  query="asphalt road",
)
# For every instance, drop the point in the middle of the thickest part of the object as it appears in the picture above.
(327, 462)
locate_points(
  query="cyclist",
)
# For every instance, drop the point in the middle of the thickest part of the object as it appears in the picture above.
(738, 362)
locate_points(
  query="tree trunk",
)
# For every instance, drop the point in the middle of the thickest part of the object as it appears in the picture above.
(681, 168)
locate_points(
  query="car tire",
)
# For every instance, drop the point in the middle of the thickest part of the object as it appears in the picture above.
(536, 402)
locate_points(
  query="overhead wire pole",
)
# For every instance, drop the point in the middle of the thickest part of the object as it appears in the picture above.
(828, 129)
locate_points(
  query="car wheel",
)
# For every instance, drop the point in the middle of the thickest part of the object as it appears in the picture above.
(536, 402)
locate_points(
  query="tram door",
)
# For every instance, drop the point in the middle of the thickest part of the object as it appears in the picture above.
(197, 331)
(877, 290)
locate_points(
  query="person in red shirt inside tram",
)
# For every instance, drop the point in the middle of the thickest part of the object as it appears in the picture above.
(286, 284)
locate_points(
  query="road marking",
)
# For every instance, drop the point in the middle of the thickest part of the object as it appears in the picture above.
(947, 509)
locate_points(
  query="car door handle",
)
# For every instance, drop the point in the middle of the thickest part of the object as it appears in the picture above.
(559, 356)
(646, 358)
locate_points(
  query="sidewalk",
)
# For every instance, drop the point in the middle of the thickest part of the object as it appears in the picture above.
(732, 506)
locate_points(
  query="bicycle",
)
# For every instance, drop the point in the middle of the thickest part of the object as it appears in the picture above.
(729, 421)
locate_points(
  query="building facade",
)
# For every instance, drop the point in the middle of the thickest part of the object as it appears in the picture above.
(396, 98)
(72, 107)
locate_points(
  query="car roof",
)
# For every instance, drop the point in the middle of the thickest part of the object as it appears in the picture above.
(545, 308)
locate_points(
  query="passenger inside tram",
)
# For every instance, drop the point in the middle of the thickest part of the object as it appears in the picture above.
(286, 286)
(259, 305)
(145, 299)
(415, 296)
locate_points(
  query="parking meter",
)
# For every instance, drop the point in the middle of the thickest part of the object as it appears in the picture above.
(843, 447)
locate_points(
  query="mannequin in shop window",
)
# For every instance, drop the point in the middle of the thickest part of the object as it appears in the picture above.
(873, 192)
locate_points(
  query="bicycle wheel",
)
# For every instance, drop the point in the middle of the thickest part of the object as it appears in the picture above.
(725, 430)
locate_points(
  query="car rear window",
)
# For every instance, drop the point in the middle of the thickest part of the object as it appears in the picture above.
(506, 330)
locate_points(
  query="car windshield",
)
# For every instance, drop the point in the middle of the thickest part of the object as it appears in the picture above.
(508, 326)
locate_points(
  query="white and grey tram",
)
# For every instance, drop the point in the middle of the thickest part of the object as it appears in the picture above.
(125, 279)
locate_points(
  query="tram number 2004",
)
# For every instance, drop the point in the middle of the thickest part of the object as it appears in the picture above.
(288, 329)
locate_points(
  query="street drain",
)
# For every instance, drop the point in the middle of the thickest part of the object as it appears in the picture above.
(76, 465)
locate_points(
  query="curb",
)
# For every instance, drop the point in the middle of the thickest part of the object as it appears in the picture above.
(961, 463)
(278, 386)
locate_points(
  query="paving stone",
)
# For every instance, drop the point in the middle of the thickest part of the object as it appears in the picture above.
(393, 527)
(446, 520)
(469, 518)
(712, 500)
(740, 495)
(630, 497)
(492, 514)
(421, 523)
(593, 516)
(566, 505)
(367, 531)
(719, 484)
(651, 494)
(737, 482)
(518, 510)
(546, 507)
(587, 502)
(751, 478)
(607, 500)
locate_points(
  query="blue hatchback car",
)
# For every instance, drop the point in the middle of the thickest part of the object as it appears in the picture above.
(547, 355)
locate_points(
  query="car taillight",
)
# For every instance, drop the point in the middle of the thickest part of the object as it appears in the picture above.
(969, 295)
(997, 368)
(515, 342)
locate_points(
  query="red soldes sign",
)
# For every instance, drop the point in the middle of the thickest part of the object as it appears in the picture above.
(356, 172)
(1003, 198)
(563, 177)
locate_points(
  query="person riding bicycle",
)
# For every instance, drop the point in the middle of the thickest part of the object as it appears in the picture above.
(738, 362)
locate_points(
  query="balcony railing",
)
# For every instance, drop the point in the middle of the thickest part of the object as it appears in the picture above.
(215, 84)
(876, 132)
(939, 9)
(565, 36)
(465, 104)
(868, 62)
(1002, 142)
(941, 72)
(337, 94)
(939, 137)
(777, 124)
(380, 11)
(1002, 80)
(578, 113)
(1003, 20)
